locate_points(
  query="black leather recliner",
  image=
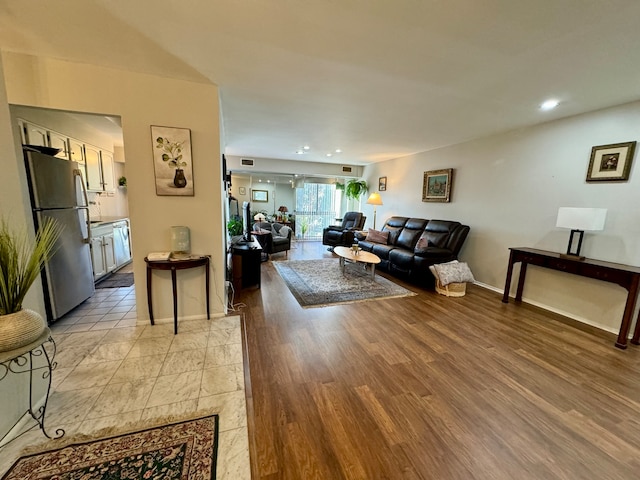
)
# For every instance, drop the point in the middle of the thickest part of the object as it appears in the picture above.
(343, 235)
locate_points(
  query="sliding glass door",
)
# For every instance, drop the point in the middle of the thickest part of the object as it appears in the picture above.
(317, 205)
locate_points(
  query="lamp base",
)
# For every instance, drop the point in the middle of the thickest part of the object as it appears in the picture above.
(569, 256)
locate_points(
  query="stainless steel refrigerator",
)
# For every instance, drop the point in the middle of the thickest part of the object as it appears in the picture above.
(56, 187)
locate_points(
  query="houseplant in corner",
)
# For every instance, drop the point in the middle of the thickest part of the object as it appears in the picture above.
(20, 264)
(356, 188)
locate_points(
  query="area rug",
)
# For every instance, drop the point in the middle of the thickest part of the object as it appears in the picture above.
(185, 450)
(318, 283)
(116, 280)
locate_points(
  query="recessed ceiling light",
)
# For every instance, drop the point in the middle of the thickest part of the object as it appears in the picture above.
(299, 152)
(549, 104)
(260, 180)
(338, 150)
(306, 147)
(329, 154)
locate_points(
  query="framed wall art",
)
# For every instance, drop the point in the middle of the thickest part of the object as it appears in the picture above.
(172, 162)
(436, 186)
(259, 195)
(242, 190)
(382, 184)
(611, 163)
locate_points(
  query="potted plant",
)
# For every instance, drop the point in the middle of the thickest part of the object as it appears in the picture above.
(173, 156)
(20, 264)
(355, 188)
(234, 227)
(122, 181)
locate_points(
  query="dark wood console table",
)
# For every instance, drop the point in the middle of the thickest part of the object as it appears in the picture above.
(626, 276)
(174, 265)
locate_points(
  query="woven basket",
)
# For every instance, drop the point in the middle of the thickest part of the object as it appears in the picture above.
(20, 329)
(450, 290)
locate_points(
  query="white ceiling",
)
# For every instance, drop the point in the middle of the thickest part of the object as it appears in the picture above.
(377, 78)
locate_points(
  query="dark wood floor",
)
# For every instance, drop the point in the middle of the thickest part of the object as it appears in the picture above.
(430, 387)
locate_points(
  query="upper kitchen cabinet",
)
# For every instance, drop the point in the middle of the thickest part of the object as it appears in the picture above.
(76, 151)
(56, 140)
(34, 135)
(99, 164)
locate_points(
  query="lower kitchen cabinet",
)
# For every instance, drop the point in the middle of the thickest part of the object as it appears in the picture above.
(102, 251)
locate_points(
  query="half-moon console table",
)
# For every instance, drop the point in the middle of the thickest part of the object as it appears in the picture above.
(626, 276)
(173, 265)
(26, 360)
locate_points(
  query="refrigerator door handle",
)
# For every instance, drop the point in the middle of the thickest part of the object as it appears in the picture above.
(78, 173)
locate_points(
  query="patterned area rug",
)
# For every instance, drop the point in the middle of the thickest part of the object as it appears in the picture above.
(116, 280)
(185, 450)
(318, 283)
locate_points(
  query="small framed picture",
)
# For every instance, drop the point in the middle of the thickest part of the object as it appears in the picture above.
(382, 184)
(611, 163)
(436, 186)
(242, 190)
(259, 195)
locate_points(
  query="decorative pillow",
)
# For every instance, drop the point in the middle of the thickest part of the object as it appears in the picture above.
(423, 244)
(454, 272)
(376, 236)
(284, 231)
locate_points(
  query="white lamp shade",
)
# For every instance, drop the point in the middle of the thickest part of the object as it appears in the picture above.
(374, 199)
(259, 217)
(581, 218)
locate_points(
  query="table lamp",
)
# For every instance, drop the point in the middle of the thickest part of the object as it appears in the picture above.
(259, 217)
(375, 200)
(579, 220)
(283, 211)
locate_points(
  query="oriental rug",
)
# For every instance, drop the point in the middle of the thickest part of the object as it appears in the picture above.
(116, 280)
(185, 450)
(319, 283)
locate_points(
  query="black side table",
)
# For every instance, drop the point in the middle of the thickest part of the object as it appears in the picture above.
(25, 360)
(174, 265)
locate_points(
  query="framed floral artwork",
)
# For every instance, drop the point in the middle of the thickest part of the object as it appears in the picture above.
(436, 186)
(611, 163)
(172, 162)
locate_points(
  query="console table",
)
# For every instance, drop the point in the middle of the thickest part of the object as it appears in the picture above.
(174, 265)
(626, 276)
(24, 360)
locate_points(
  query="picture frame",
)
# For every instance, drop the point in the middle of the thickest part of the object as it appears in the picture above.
(172, 161)
(436, 186)
(242, 190)
(382, 184)
(259, 195)
(611, 163)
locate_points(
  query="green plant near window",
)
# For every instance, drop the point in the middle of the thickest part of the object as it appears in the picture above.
(356, 188)
(122, 181)
(339, 186)
(234, 227)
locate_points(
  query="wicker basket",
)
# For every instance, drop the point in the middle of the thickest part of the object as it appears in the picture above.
(20, 329)
(451, 290)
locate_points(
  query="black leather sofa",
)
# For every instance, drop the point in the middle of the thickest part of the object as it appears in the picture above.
(414, 244)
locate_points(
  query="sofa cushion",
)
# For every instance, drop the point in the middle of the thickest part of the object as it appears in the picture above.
(408, 238)
(284, 231)
(382, 251)
(376, 236)
(453, 272)
(402, 259)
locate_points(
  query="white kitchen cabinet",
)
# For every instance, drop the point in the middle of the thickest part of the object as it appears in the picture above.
(94, 169)
(57, 140)
(108, 177)
(102, 251)
(76, 151)
(35, 135)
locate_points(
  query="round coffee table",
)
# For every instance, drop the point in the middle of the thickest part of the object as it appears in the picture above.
(367, 258)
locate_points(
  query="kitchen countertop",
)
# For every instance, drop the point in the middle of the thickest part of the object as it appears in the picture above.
(106, 220)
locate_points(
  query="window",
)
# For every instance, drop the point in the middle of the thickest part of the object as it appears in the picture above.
(315, 209)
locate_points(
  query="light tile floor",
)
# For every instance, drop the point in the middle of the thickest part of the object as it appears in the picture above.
(113, 370)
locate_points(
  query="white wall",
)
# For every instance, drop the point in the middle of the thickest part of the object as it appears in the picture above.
(49, 83)
(508, 189)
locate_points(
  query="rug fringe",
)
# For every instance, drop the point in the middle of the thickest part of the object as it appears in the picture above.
(124, 429)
